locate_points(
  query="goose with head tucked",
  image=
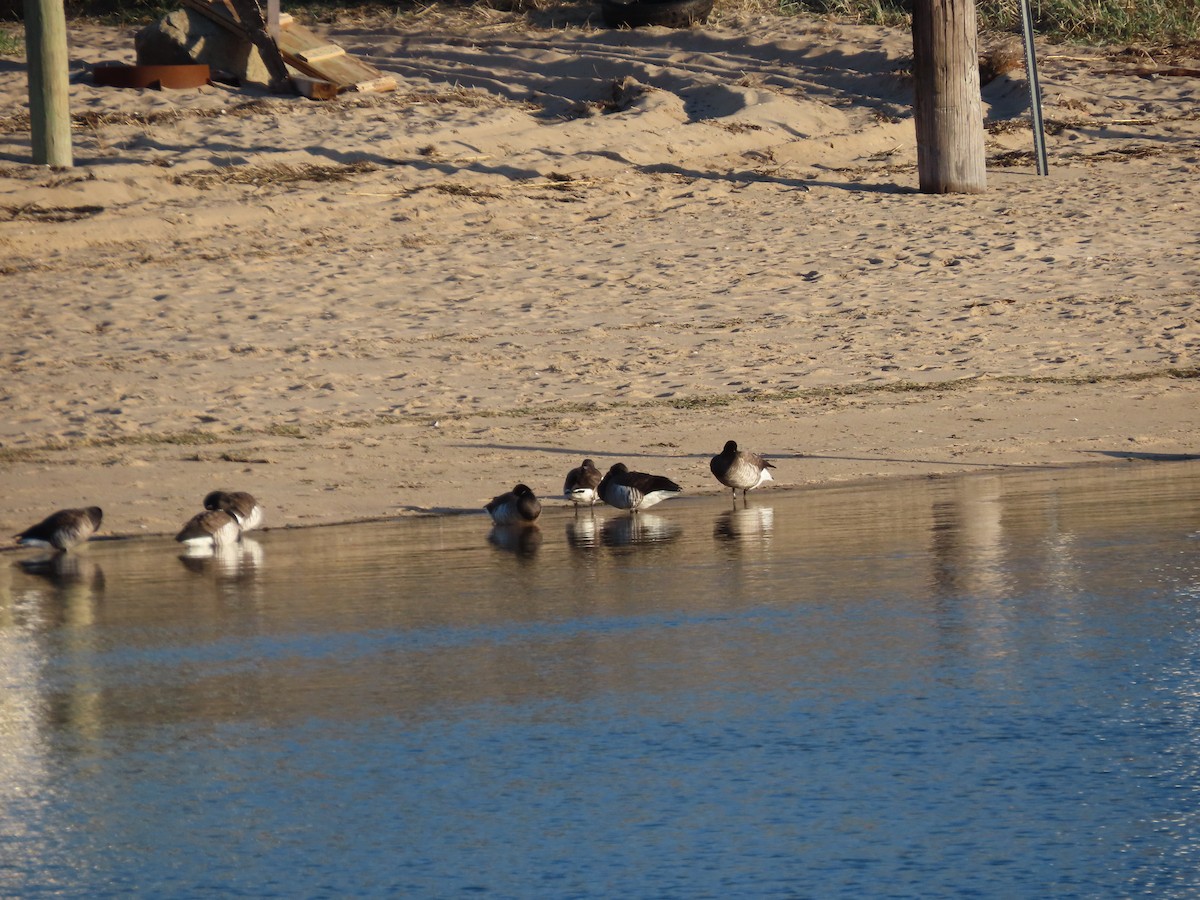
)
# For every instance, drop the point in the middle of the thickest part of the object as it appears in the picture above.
(240, 505)
(516, 507)
(62, 530)
(582, 481)
(635, 490)
(740, 470)
(213, 528)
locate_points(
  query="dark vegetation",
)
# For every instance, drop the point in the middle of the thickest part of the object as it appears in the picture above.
(1087, 21)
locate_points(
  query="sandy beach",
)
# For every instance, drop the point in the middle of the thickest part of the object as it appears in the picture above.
(565, 242)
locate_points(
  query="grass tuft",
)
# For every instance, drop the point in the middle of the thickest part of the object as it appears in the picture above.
(1099, 21)
(11, 44)
(1087, 21)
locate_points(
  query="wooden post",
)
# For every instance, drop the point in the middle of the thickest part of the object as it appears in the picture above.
(251, 18)
(49, 83)
(948, 109)
(273, 20)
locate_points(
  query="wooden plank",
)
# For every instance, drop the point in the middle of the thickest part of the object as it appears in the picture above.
(380, 85)
(298, 44)
(303, 50)
(318, 53)
(314, 88)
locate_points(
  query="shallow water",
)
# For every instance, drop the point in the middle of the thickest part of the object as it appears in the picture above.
(984, 686)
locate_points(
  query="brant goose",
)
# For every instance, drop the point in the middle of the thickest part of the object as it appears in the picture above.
(211, 528)
(518, 506)
(63, 530)
(240, 505)
(634, 490)
(582, 481)
(740, 470)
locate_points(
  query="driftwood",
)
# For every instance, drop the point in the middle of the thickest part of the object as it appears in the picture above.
(313, 56)
(254, 27)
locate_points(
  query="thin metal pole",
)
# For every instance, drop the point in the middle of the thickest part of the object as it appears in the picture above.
(1035, 90)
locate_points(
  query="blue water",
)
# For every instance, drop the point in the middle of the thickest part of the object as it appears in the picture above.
(985, 686)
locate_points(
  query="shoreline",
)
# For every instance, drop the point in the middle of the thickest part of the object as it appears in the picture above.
(152, 491)
(758, 497)
(405, 303)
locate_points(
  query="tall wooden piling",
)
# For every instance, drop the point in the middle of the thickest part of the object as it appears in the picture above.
(49, 65)
(948, 108)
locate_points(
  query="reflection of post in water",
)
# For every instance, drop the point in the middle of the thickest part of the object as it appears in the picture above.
(1062, 570)
(968, 540)
(77, 585)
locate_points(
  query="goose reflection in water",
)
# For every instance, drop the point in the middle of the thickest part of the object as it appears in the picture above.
(523, 540)
(225, 561)
(74, 586)
(64, 570)
(750, 524)
(583, 532)
(640, 529)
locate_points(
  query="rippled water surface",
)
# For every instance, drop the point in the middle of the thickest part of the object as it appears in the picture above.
(981, 686)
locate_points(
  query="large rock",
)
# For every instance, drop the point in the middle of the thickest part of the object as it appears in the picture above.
(186, 37)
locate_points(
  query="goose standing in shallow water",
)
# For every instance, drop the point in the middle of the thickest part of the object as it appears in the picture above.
(62, 530)
(635, 490)
(582, 481)
(213, 528)
(740, 470)
(240, 505)
(516, 507)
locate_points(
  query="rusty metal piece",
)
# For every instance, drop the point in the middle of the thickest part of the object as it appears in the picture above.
(157, 77)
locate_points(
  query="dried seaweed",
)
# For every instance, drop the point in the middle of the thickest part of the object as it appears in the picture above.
(33, 213)
(262, 176)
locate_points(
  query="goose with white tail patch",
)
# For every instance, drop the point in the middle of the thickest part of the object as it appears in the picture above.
(239, 504)
(62, 530)
(740, 470)
(635, 490)
(213, 528)
(581, 483)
